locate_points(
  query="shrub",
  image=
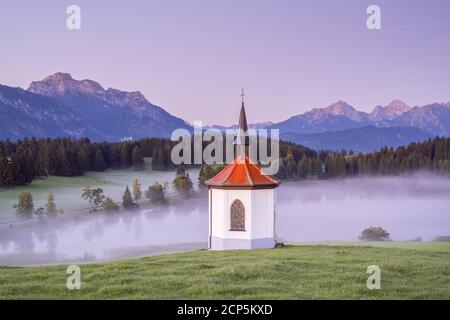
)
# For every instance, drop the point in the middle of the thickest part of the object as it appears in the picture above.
(442, 239)
(374, 234)
(183, 185)
(109, 205)
(156, 193)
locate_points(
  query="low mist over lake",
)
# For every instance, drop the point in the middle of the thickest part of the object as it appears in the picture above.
(407, 207)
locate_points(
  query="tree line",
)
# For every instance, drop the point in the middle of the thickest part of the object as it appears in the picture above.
(297, 162)
(24, 160)
(431, 155)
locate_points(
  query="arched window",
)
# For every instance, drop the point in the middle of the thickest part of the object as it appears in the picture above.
(237, 215)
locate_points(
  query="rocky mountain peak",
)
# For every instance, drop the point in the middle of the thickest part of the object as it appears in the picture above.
(60, 84)
(134, 99)
(389, 112)
(340, 108)
(398, 105)
(58, 76)
(127, 94)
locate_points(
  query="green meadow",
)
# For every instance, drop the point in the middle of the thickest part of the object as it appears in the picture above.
(309, 271)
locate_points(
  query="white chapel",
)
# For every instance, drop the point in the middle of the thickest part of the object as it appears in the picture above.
(242, 202)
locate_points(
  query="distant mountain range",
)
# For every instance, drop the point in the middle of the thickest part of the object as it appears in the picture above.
(62, 106)
(341, 126)
(433, 118)
(364, 139)
(25, 114)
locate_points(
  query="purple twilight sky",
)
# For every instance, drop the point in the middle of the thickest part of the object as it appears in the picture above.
(193, 56)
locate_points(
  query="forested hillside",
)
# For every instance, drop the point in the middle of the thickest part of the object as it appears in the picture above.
(24, 160)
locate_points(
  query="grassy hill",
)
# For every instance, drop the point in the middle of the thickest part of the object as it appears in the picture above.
(327, 271)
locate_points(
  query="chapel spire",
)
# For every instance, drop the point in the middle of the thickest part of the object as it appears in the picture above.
(242, 137)
(243, 119)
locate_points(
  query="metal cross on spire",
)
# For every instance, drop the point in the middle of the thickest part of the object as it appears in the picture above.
(242, 95)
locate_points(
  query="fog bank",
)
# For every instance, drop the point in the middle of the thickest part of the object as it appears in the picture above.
(407, 207)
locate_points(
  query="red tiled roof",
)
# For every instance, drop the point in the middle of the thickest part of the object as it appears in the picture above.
(242, 173)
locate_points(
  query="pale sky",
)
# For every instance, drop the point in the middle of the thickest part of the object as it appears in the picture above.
(193, 56)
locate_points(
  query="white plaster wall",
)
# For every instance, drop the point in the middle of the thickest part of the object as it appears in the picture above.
(259, 213)
(217, 215)
(263, 213)
(221, 205)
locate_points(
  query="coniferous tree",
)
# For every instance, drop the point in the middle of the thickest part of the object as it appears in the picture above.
(340, 165)
(304, 167)
(137, 159)
(127, 200)
(66, 169)
(6, 178)
(126, 155)
(157, 158)
(290, 165)
(317, 169)
(137, 193)
(115, 156)
(106, 152)
(331, 168)
(8, 147)
(50, 206)
(100, 164)
(21, 166)
(53, 159)
(25, 206)
(40, 163)
(87, 158)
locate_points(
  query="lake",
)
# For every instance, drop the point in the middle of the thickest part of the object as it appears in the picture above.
(308, 211)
